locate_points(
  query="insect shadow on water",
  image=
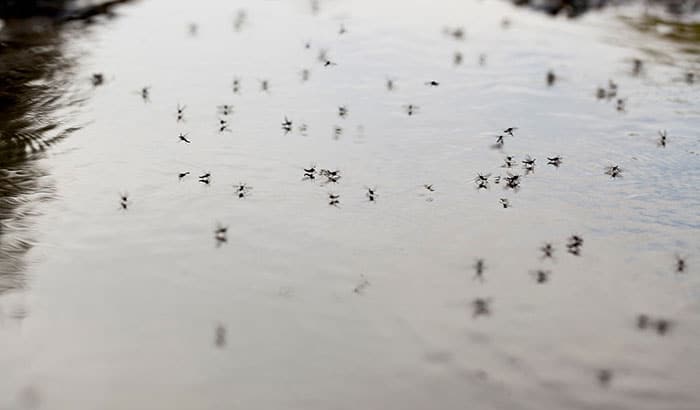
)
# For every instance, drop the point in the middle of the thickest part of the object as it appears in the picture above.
(604, 377)
(390, 84)
(305, 74)
(457, 32)
(621, 105)
(205, 178)
(240, 20)
(220, 336)
(322, 55)
(181, 175)
(499, 143)
(637, 66)
(689, 77)
(362, 286)
(236, 86)
(264, 86)
(192, 29)
(660, 325)
(315, 6)
(342, 111)
(505, 203)
(551, 78)
(183, 138)
(303, 128)
(541, 276)
(457, 58)
(601, 93)
(334, 200)
(432, 83)
(220, 234)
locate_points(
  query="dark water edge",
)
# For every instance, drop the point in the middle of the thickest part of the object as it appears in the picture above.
(36, 97)
(575, 8)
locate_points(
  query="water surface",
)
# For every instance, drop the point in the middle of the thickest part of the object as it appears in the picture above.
(107, 308)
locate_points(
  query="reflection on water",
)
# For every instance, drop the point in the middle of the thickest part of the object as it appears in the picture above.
(37, 99)
(33, 81)
(309, 207)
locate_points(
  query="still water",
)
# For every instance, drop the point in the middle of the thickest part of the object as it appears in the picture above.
(368, 304)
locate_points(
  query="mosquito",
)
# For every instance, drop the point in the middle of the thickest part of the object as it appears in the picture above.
(124, 201)
(482, 307)
(225, 109)
(479, 268)
(541, 276)
(180, 113)
(242, 189)
(287, 125)
(97, 79)
(662, 138)
(411, 109)
(220, 233)
(333, 199)
(547, 251)
(554, 161)
(510, 130)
